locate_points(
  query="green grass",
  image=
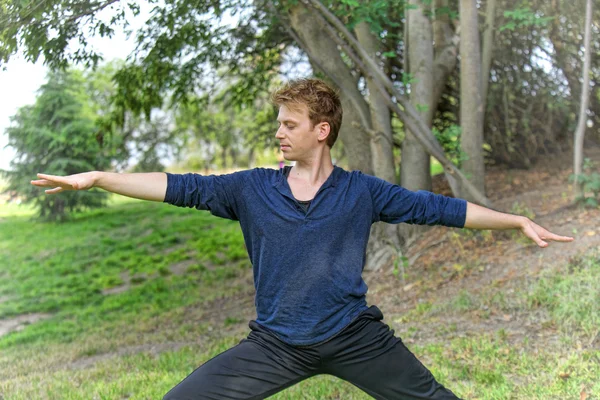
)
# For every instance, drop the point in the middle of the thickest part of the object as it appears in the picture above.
(436, 168)
(139, 342)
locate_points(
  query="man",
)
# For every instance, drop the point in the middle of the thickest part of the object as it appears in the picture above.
(306, 229)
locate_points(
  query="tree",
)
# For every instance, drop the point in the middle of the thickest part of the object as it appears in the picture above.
(487, 48)
(56, 135)
(471, 106)
(130, 136)
(415, 159)
(382, 144)
(581, 125)
(48, 28)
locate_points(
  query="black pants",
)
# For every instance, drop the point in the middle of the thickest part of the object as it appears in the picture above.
(365, 353)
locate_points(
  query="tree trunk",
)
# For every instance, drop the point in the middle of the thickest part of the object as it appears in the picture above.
(251, 157)
(585, 89)
(446, 52)
(471, 109)
(416, 173)
(224, 151)
(382, 142)
(323, 52)
(384, 244)
(488, 49)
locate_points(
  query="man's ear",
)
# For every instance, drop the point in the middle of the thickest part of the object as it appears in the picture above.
(323, 131)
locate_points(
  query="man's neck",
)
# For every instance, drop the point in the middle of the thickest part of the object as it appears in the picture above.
(313, 171)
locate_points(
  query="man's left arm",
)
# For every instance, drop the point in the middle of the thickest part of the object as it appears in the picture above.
(479, 217)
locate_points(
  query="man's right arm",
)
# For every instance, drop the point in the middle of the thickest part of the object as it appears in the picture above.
(145, 186)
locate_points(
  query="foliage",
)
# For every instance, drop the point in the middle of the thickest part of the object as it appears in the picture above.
(527, 114)
(590, 178)
(57, 136)
(145, 141)
(222, 134)
(183, 52)
(449, 138)
(49, 28)
(523, 17)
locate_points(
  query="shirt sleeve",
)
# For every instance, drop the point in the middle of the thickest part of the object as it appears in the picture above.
(395, 204)
(219, 194)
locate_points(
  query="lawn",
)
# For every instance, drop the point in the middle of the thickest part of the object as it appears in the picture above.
(122, 302)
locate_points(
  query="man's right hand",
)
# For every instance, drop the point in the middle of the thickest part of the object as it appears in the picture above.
(83, 181)
(145, 186)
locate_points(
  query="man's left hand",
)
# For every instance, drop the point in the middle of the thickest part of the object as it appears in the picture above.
(541, 235)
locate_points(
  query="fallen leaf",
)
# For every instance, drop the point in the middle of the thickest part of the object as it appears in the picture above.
(583, 393)
(408, 287)
(590, 233)
(564, 375)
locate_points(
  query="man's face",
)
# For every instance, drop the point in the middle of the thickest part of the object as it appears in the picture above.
(297, 138)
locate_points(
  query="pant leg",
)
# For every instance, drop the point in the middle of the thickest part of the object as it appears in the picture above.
(368, 355)
(256, 368)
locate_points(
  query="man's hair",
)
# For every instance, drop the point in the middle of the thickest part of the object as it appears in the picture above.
(322, 101)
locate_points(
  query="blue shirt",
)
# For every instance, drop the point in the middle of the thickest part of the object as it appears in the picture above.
(308, 265)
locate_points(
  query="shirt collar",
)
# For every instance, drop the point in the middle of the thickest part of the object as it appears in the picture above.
(284, 188)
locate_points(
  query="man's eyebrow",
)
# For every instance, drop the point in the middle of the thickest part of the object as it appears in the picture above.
(287, 120)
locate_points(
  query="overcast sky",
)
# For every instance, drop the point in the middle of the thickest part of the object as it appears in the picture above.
(21, 80)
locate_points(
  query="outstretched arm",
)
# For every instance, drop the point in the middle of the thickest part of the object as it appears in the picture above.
(145, 186)
(483, 218)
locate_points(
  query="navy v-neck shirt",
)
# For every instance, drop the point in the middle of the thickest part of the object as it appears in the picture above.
(308, 265)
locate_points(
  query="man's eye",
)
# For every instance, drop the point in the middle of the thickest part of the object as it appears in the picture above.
(290, 126)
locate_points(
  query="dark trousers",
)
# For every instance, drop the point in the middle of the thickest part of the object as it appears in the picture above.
(365, 353)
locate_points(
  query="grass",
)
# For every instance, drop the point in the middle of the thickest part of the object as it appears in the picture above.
(138, 342)
(436, 168)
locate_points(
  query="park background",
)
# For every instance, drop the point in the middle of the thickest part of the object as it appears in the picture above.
(104, 297)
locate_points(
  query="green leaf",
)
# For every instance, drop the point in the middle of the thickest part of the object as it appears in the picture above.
(591, 202)
(422, 108)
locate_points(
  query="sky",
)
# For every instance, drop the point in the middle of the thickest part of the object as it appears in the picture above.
(21, 79)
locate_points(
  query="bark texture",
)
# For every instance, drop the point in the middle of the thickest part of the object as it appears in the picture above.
(415, 159)
(381, 141)
(488, 48)
(585, 90)
(471, 108)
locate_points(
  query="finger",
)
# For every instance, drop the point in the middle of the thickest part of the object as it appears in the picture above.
(539, 241)
(53, 191)
(533, 235)
(42, 182)
(54, 178)
(558, 238)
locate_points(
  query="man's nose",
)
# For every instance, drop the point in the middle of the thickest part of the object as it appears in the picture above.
(279, 134)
